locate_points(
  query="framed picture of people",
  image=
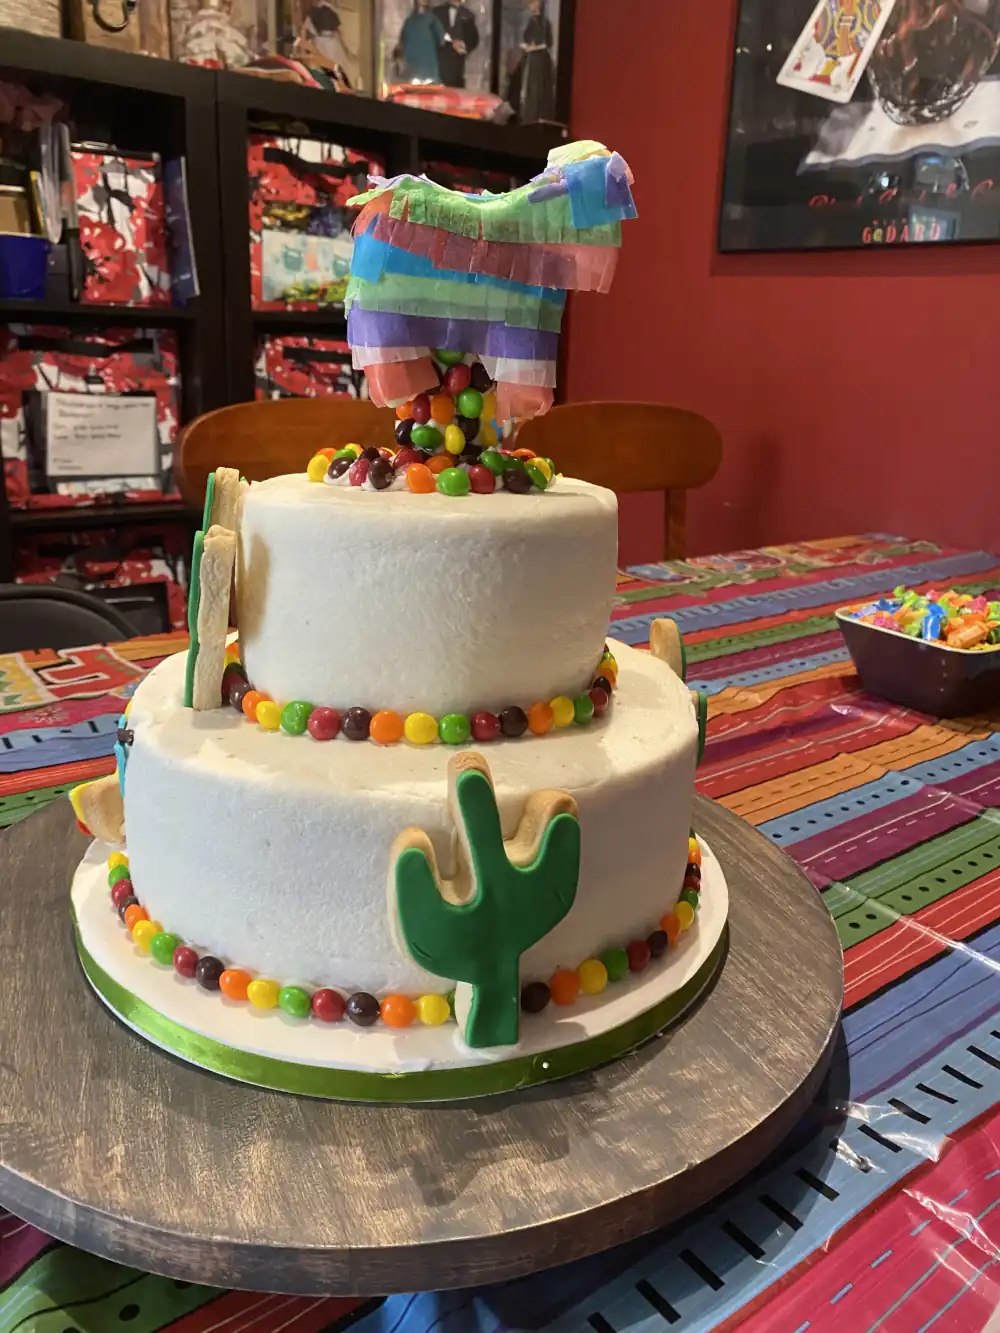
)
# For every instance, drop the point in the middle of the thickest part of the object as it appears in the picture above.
(863, 124)
(447, 45)
(332, 32)
(529, 47)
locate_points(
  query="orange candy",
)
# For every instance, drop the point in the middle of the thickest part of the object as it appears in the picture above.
(564, 987)
(398, 1011)
(250, 701)
(327, 453)
(438, 462)
(442, 409)
(420, 478)
(524, 453)
(672, 926)
(540, 719)
(404, 411)
(386, 727)
(133, 914)
(234, 982)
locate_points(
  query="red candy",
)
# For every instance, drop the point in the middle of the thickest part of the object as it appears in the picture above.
(406, 456)
(121, 891)
(457, 378)
(485, 726)
(328, 1005)
(323, 724)
(638, 955)
(358, 471)
(600, 699)
(482, 480)
(421, 409)
(185, 960)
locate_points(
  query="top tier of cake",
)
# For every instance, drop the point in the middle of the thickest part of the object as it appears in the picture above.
(349, 597)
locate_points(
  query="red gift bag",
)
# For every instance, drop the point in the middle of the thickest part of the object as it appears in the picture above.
(123, 227)
(306, 368)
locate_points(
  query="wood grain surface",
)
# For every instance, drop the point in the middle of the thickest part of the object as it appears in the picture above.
(113, 1146)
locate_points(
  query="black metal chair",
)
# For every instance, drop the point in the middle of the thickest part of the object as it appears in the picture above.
(47, 616)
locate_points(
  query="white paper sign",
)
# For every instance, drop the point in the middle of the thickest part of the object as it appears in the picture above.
(100, 435)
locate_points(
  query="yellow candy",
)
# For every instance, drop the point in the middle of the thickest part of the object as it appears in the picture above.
(433, 1010)
(318, 465)
(143, 932)
(543, 467)
(233, 651)
(356, 448)
(454, 439)
(420, 728)
(684, 913)
(263, 994)
(117, 859)
(487, 435)
(562, 710)
(593, 976)
(269, 714)
(489, 407)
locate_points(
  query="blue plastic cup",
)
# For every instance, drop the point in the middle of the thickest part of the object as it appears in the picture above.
(23, 262)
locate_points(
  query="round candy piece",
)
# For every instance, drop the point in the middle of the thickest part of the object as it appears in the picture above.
(671, 926)
(470, 455)
(121, 891)
(403, 429)
(117, 859)
(426, 437)
(600, 700)
(593, 976)
(316, 467)
(269, 715)
(602, 683)
(544, 467)
(457, 378)
(488, 433)
(208, 972)
(535, 997)
(125, 904)
(684, 913)
(233, 673)
(295, 717)
(238, 691)
(540, 719)
(690, 897)
(185, 961)
(398, 1011)
(295, 1001)
(324, 724)
(420, 479)
(439, 462)
(454, 439)
(338, 467)
(480, 377)
(263, 993)
(616, 962)
(638, 955)
(420, 729)
(357, 473)
(249, 704)
(694, 851)
(162, 947)
(405, 457)
(563, 711)
(371, 452)
(442, 409)
(143, 932)
(380, 474)
(583, 709)
(564, 987)
(658, 942)
(519, 483)
(482, 480)
(489, 406)
(448, 358)
(404, 412)
(363, 1009)
(485, 726)
(328, 1005)
(133, 915)
(453, 481)
(537, 476)
(234, 983)
(469, 402)
(420, 409)
(117, 873)
(357, 724)
(493, 459)
(454, 728)
(470, 428)
(433, 1010)
(513, 721)
(387, 727)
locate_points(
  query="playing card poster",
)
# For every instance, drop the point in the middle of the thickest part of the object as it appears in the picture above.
(863, 123)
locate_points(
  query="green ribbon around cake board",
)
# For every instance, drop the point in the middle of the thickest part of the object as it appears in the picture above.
(354, 1085)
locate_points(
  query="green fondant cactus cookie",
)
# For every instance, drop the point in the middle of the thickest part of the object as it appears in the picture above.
(504, 898)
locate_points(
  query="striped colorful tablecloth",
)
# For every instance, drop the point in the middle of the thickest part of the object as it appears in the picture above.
(882, 1211)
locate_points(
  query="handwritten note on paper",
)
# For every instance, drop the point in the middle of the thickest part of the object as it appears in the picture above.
(99, 435)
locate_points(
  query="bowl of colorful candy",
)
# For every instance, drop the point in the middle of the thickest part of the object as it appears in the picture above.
(936, 652)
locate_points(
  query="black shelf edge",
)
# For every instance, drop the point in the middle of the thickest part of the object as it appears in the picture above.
(268, 97)
(333, 319)
(60, 57)
(76, 312)
(119, 514)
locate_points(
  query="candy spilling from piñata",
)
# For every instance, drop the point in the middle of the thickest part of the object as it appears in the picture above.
(953, 618)
(481, 276)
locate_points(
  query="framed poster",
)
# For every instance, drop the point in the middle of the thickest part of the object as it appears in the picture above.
(863, 123)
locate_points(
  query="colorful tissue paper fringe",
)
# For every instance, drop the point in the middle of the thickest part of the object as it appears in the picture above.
(955, 619)
(482, 274)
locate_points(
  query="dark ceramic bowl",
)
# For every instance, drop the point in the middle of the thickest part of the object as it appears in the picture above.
(929, 677)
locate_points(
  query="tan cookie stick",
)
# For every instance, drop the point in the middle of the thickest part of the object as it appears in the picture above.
(665, 644)
(218, 558)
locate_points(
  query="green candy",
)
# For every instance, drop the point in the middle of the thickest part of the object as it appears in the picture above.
(294, 717)
(689, 896)
(538, 477)
(119, 872)
(346, 452)
(445, 358)
(162, 947)
(512, 464)
(469, 403)
(453, 481)
(583, 709)
(454, 729)
(294, 1001)
(616, 962)
(450, 997)
(494, 460)
(425, 437)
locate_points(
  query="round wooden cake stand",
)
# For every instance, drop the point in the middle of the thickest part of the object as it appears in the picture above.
(111, 1145)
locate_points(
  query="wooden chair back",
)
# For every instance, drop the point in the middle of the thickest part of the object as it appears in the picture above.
(632, 447)
(267, 438)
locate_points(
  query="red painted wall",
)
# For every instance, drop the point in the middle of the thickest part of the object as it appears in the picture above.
(854, 391)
